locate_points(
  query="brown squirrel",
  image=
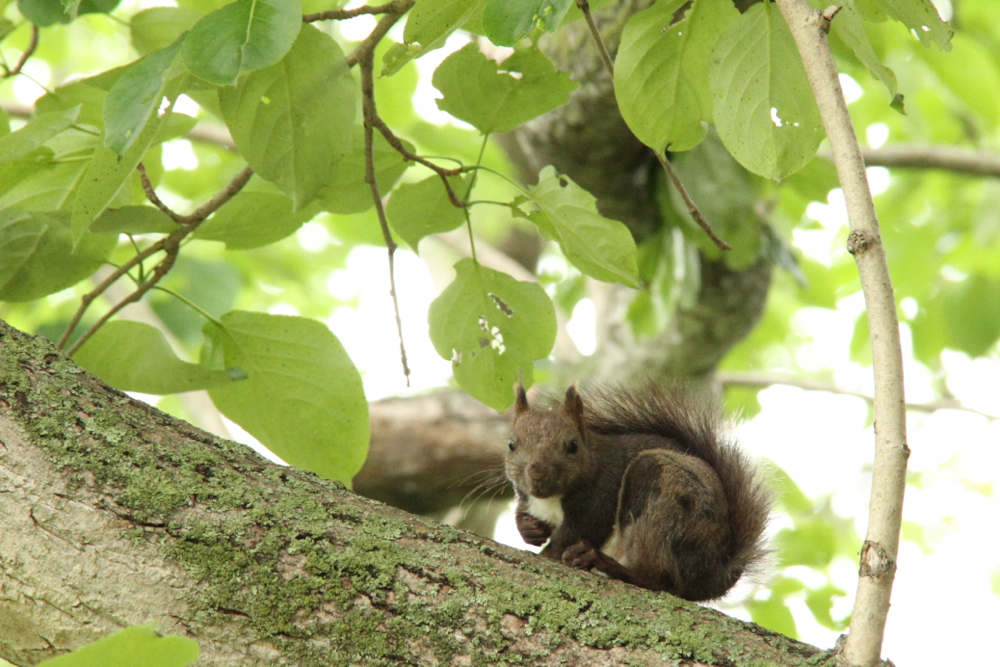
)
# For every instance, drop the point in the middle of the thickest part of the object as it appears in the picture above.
(640, 486)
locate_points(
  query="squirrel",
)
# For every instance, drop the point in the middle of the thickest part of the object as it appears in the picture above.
(640, 486)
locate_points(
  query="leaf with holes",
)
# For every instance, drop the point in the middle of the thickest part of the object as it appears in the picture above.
(491, 327)
(302, 396)
(763, 107)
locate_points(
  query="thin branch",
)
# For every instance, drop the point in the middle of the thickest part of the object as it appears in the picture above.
(691, 206)
(32, 45)
(342, 14)
(169, 244)
(151, 195)
(368, 44)
(764, 380)
(609, 65)
(366, 63)
(948, 158)
(442, 172)
(878, 555)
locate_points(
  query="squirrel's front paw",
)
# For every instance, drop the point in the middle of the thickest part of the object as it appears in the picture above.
(533, 530)
(581, 555)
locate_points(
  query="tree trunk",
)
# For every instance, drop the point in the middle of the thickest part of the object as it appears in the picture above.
(114, 514)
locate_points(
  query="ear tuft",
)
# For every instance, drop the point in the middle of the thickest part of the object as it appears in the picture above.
(521, 403)
(573, 406)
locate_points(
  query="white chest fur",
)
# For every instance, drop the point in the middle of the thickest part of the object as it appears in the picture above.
(548, 510)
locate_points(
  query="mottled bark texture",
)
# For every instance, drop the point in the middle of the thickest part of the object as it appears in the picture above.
(587, 140)
(114, 514)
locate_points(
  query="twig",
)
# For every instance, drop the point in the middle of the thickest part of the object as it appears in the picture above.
(413, 157)
(367, 65)
(369, 43)
(691, 206)
(878, 555)
(32, 45)
(609, 65)
(763, 380)
(151, 195)
(169, 244)
(342, 14)
(948, 158)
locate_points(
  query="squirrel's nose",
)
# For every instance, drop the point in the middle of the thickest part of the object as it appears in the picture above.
(535, 471)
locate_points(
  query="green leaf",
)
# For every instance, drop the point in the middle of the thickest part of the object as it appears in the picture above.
(37, 256)
(491, 327)
(763, 106)
(133, 356)
(242, 36)
(159, 27)
(47, 12)
(272, 114)
(820, 603)
(302, 398)
(254, 219)
(88, 97)
(972, 314)
(773, 614)
(428, 25)
(346, 190)
(922, 19)
(48, 188)
(661, 71)
(971, 73)
(107, 171)
(495, 101)
(727, 195)
(812, 542)
(508, 21)
(135, 96)
(598, 246)
(36, 132)
(849, 26)
(138, 645)
(133, 220)
(416, 210)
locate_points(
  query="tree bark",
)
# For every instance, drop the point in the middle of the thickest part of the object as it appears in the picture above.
(114, 514)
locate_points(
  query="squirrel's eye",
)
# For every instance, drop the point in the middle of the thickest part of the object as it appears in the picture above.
(510, 445)
(572, 446)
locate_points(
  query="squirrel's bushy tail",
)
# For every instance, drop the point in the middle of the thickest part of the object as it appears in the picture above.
(695, 428)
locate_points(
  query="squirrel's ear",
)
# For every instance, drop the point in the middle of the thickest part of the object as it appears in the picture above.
(521, 404)
(573, 404)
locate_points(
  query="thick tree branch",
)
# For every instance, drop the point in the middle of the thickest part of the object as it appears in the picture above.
(878, 555)
(114, 514)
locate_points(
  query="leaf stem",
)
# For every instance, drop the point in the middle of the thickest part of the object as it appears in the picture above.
(342, 14)
(691, 206)
(609, 64)
(32, 45)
